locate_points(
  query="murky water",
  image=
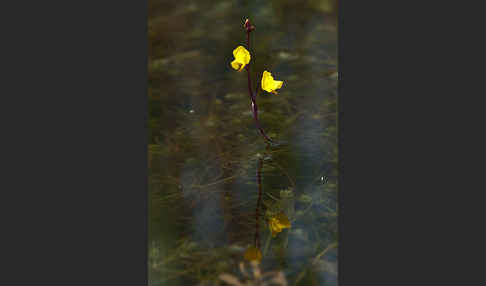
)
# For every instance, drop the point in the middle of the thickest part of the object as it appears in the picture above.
(209, 166)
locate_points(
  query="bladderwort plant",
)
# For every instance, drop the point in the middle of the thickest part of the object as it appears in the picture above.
(242, 61)
(268, 83)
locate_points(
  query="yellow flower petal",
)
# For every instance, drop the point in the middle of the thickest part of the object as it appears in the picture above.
(242, 58)
(253, 254)
(277, 84)
(236, 65)
(269, 84)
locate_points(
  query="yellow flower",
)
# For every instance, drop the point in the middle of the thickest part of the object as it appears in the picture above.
(278, 223)
(269, 84)
(253, 254)
(242, 58)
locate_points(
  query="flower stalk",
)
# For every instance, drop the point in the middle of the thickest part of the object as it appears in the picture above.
(254, 107)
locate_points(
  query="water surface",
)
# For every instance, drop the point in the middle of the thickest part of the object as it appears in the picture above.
(205, 153)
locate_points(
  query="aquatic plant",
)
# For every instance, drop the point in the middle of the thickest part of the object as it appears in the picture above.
(242, 60)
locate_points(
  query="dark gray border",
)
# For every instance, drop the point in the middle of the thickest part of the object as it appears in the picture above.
(74, 150)
(402, 226)
(340, 146)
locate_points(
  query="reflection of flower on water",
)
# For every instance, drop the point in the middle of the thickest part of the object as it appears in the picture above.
(277, 223)
(253, 254)
(252, 276)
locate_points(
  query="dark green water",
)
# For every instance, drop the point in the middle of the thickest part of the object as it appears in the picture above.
(205, 149)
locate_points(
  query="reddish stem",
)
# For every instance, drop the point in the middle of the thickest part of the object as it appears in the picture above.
(254, 106)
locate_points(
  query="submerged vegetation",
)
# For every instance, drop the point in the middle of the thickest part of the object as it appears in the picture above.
(225, 206)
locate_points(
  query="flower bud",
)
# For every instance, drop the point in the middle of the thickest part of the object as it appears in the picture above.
(248, 26)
